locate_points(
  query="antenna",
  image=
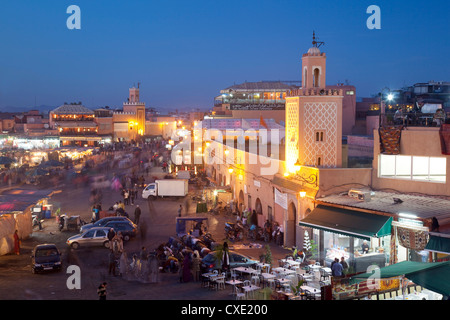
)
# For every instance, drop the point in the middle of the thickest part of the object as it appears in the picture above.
(315, 43)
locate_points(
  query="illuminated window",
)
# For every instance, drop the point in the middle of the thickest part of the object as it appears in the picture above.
(430, 169)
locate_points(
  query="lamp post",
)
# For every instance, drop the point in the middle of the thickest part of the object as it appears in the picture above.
(311, 179)
(389, 98)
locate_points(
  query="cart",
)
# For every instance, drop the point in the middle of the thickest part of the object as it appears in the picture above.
(70, 223)
(189, 223)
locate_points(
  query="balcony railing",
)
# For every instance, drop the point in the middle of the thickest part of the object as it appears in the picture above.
(76, 133)
(413, 119)
(250, 101)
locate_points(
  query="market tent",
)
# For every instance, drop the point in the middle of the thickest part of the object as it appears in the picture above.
(348, 222)
(433, 276)
(51, 163)
(438, 244)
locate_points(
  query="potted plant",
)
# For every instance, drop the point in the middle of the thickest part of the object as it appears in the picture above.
(310, 248)
(265, 294)
(268, 255)
(296, 289)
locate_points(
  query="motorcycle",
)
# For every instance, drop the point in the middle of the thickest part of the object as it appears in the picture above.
(267, 235)
(208, 240)
(234, 231)
(277, 235)
(37, 222)
(255, 233)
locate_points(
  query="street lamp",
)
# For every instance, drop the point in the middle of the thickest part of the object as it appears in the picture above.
(311, 179)
(390, 97)
(297, 166)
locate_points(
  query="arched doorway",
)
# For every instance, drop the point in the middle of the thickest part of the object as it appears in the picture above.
(258, 211)
(291, 225)
(241, 201)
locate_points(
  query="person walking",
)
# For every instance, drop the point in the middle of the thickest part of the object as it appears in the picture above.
(112, 263)
(143, 254)
(123, 265)
(225, 257)
(196, 266)
(137, 214)
(118, 242)
(126, 197)
(186, 268)
(132, 196)
(337, 268)
(344, 265)
(153, 266)
(111, 234)
(101, 291)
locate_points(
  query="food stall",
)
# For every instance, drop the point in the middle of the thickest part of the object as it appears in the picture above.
(406, 280)
(363, 239)
(346, 289)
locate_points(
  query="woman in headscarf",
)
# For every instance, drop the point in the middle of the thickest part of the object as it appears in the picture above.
(196, 266)
(187, 268)
(153, 267)
(123, 265)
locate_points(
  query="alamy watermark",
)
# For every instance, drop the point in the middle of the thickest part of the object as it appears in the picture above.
(230, 147)
(74, 20)
(374, 21)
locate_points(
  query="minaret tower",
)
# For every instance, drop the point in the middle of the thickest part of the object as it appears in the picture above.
(314, 66)
(314, 117)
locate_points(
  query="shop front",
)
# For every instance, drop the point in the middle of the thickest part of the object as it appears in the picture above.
(362, 238)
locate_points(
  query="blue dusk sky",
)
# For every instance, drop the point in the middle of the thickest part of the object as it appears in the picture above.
(184, 52)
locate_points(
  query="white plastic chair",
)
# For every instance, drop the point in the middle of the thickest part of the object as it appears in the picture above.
(233, 274)
(240, 294)
(271, 281)
(256, 275)
(220, 281)
(248, 290)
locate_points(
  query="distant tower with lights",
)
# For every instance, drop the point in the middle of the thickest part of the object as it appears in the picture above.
(314, 116)
(136, 107)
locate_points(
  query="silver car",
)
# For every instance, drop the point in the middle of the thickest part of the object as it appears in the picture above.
(93, 237)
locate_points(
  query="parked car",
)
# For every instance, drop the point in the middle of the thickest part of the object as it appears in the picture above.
(97, 236)
(45, 257)
(211, 262)
(127, 228)
(102, 222)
